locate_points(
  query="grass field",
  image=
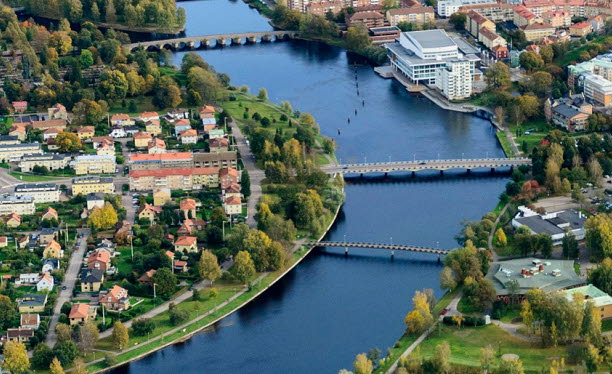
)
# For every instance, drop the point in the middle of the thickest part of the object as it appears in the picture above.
(505, 143)
(573, 55)
(537, 131)
(35, 178)
(466, 343)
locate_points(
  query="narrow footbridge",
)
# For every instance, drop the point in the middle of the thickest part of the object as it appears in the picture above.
(391, 247)
(195, 42)
(420, 165)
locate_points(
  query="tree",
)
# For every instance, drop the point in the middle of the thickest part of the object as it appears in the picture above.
(165, 281)
(205, 83)
(143, 326)
(480, 292)
(420, 318)
(78, 367)
(120, 336)
(178, 316)
(217, 217)
(308, 207)
(88, 336)
(42, 356)
(209, 267)
(56, 367)
(7, 311)
(512, 366)
(66, 352)
(530, 61)
(529, 104)
(500, 237)
(167, 93)
(103, 218)
(487, 358)
(513, 288)
(546, 52)
(89, 112)
(498, 74)
(68, 142)
(243, 268)
(113, 85)
(570, 246)
(458, 20)
(601, 277)
(362, 365)
(447, 279)
(63, 332)
(592, 359)
(443, 355)
(357, 37)
(591, 324)
(15, 357)
(262, 94)
(86, 58)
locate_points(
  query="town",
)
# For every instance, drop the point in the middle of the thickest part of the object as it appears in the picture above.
(145, 196)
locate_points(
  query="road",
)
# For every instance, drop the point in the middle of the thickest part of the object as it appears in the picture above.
(256, 175)
(72, 273)
(164, 307)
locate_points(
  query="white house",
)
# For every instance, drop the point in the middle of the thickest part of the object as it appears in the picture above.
(95, 199)
(50, 265)
(118, 132)
(28, 278)
(45, 283)
(555, 224)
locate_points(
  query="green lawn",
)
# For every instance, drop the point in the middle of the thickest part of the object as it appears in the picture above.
(238, 107)
(34, 178)
(573, 55)
(537, 131)
(466, 343)
(505, 143)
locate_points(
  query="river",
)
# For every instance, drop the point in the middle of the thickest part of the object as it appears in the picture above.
(331, 307)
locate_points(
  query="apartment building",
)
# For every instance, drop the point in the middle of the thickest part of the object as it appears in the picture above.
(185, 179)
(557, 18)
(446, 8)
(497, 12)
(216, 160)
(417, 15)
(476, 22)
(523, 16)
(94, 164)
(537, 31)
(52, 161)
(176, 160)
(13, 152)
(40, 192)
(597, 90)
(455, 80)
(92, 184)
(16, 204)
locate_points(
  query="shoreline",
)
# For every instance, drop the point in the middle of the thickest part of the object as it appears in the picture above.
(228, 313)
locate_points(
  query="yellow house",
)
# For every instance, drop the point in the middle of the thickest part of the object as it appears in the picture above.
(94, 164)
(186, 243)
(87, 185)
(537, 31)
(13, 220)
(53, 250)
(161, 196)
(141, 139)
(86, 132)
(477, 21)
(32, 303)
(19, 130)
(154, 127)
(149, 212)
(602, 302)
(81, 313)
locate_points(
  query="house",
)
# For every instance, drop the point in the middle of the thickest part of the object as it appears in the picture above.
(188, 208)
(216, 133)
(91, 280)
(170, 255)
(142, 139)
(186, 243)
(3, 241)
(218, 145)
(118, 132)
(45, 283)
(18, 131)
(233, 189)
(28, 278)
(597, 22)
(209, 127)
(115, 299)
(86, 132)
(581, 29)
(48, 235)
(51, 133)
(32, 303)
(557, 18)
(207, 115)
(92, 184)
(57, 111)
(178, 113)
(148, 116)
(153, 127)
(232, 205)
(53, 250)
(147, 277)
(20, 335)
(107, 246)
(602, 302)
(180, 266)
(149, 212)
(95, 200)
(22, 241)
(476, 22)
(98, 260)
(536, 32)
(50, 213)
(81, 313)
(189, 136)
(500, 52)
(181, 125)
(156, 145)
(416, 14)
(105, 149)
(12, 220)
(131, 130)
(96, 141)
(548, 276)
(49, 124)
(228, 176)
(41, 192)
(9, 140)
(20, 106)
(571, 112)
(190, 225)
(161, 196)
(121, 120)
(50, 265)
(554, 224)
(17, 204)
(29, 321)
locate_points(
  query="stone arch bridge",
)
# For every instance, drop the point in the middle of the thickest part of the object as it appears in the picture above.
(205, 41)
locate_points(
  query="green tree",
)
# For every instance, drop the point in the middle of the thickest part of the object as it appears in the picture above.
(530, 61)
(208, 266)
(601, 277)
(591, 324)
(357, 37)
(593, 359)
(7, 311)
(15, 357)
(42, 356)
(178, 316)
(308, 207)
(143, 326)
(89, 112)
(120, 336)
(570, 246)
(498, 74)
(66, 352)
(86, 58)
(243, 268)
(447, 279)
(262, 94)
(217, 217)
(165, 282)
(512, 366)
(113, 85)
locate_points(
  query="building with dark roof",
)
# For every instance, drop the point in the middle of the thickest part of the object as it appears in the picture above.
(556, 224)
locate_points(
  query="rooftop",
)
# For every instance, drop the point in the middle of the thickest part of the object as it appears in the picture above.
(591, 293)
(28, 187)
(436, 38)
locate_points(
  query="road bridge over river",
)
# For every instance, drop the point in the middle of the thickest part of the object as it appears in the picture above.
(195, 42)
(390, 247)
(420, 165)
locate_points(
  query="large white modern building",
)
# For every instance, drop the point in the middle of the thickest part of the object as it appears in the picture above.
(41, 192)
(433, 58)
(447, 7)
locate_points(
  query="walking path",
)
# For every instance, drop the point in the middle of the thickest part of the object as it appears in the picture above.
(65, 295)
(492, 233)
(512, 329)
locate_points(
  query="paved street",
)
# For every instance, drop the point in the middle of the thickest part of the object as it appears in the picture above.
(72, 273)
